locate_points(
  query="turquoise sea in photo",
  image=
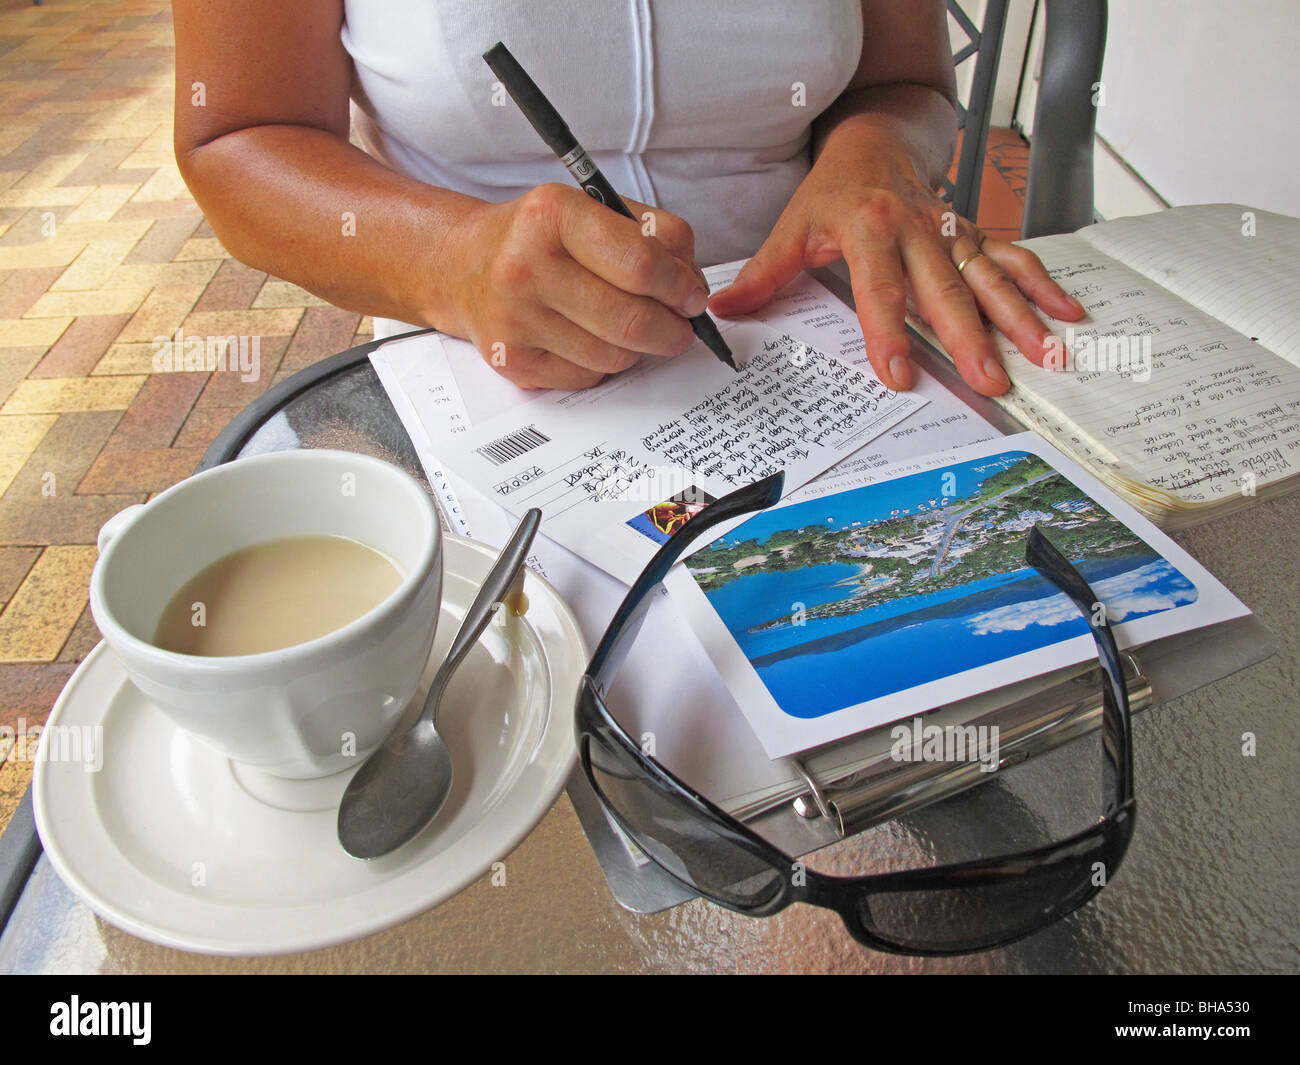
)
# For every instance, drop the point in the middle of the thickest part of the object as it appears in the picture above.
(830, 663)
(848, 598)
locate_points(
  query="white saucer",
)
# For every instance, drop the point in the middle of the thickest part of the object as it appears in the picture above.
(168, 842)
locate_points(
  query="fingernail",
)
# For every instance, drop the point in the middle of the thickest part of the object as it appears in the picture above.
(697, 302)
(900, 371)
(994, 372)
(1075, 304)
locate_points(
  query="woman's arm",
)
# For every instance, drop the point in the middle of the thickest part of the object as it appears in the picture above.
(905, 88)
(261, 132)
(879, 152)
(262, 120)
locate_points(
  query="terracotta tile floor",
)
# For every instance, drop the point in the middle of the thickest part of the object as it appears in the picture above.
(101, 250)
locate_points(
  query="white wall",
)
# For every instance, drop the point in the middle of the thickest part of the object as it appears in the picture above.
(1201, 98)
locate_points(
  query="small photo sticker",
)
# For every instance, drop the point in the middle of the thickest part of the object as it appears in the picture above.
(663, 519)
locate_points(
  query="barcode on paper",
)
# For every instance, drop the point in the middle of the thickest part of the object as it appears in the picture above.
(512, 445)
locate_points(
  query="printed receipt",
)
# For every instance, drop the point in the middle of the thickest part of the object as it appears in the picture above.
(618, 467)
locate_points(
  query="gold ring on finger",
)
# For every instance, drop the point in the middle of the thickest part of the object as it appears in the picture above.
(973, 255)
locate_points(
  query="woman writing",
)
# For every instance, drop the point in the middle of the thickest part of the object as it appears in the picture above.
(798, 134)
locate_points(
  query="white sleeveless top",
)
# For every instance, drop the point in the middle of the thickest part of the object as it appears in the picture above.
(702, 107)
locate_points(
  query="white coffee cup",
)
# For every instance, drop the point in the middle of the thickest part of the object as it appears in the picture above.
(305, 711)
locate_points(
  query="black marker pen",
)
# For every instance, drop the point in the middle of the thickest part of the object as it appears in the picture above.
(555, 132)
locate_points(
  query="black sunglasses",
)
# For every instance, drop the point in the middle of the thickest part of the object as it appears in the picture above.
(951, 909)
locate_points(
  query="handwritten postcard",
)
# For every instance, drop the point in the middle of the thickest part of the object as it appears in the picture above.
(618, 467)
(830, 614)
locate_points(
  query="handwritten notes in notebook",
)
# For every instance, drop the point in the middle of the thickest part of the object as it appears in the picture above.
(1237, 264)
(617, 467)
(1158, 392)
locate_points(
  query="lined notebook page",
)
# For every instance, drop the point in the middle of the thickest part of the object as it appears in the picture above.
(1215, 406)
(1238, 264)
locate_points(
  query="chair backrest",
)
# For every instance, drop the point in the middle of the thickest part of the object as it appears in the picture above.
(1059, 193)
(984, 43)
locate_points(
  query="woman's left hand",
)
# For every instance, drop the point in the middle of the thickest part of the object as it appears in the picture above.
(868, 206)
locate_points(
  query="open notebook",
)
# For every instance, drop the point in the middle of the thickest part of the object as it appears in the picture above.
(1181, 387)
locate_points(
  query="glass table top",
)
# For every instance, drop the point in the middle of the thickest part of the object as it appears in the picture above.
(1209, 883)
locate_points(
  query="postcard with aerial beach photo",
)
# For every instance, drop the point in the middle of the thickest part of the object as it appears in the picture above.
(843, 612)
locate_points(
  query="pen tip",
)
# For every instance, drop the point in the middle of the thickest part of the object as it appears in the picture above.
(707, 331)
(723, 350)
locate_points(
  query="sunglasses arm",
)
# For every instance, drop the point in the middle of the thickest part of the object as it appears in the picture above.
(1117, 767)
(752, 497)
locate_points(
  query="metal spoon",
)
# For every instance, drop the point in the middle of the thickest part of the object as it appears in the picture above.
(403, 785)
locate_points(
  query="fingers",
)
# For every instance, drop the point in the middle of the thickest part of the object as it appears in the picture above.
(580, 347)
(672, 232)
(876, 271)
(779, 259)
(1032, 278)
(571, 291)
(537, 368)
(613, 323)
(616, 249)
(948, 305)
(577, 361)
(1002, 301)
(544, 349)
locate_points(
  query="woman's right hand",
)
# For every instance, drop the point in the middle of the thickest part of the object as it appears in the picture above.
(556, 290)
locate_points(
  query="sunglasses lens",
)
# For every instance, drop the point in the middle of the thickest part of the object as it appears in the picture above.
(994, 907)
(698, 851)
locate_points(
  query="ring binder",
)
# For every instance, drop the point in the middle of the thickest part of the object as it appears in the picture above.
(821, 805)
(1028, 728)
